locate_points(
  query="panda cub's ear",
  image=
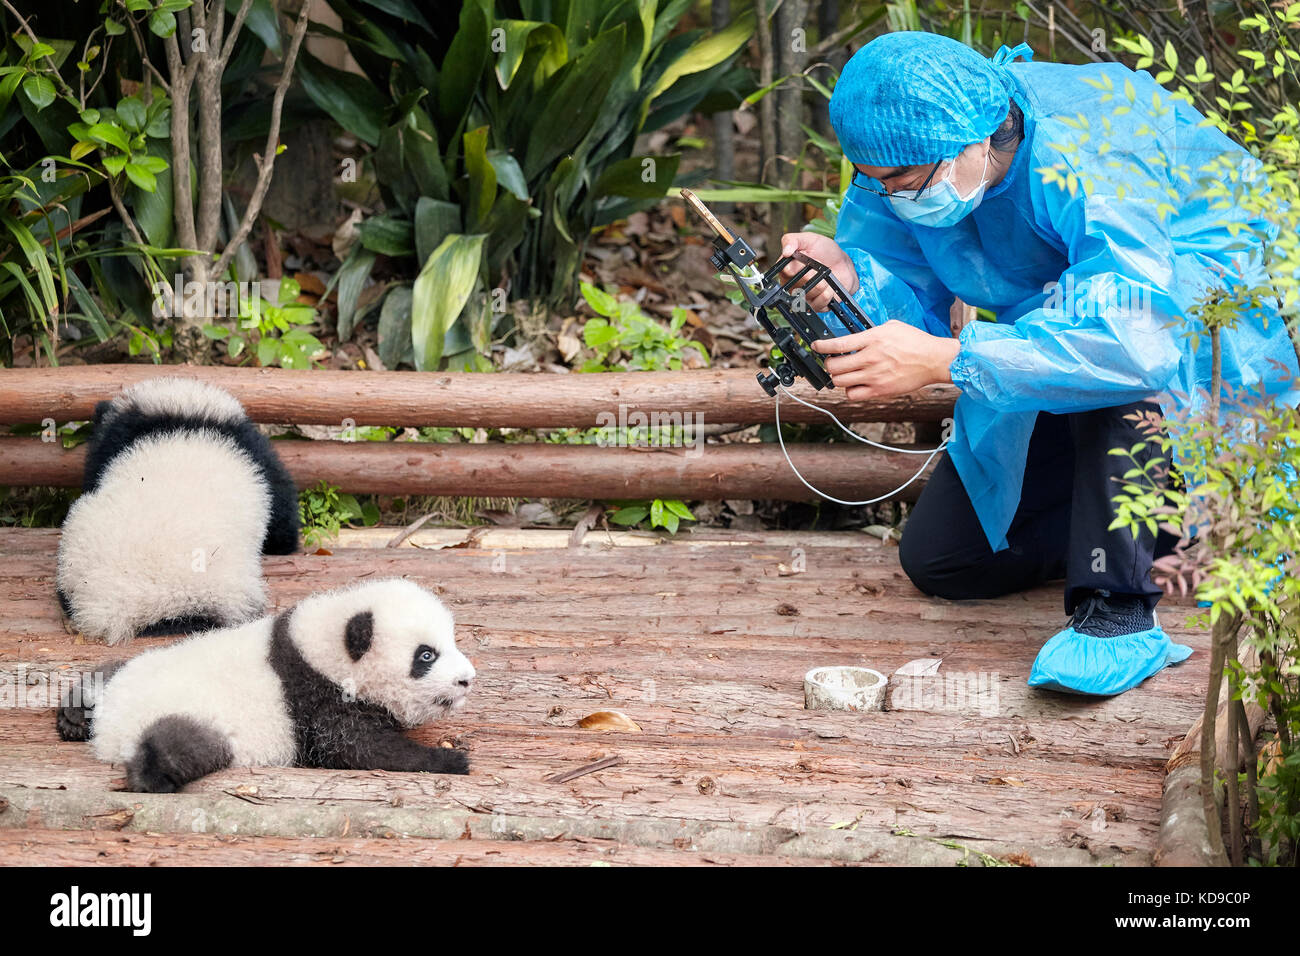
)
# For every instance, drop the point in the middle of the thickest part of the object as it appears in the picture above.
(359, 633)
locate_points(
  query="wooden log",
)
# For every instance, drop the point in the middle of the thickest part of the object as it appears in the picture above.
(541, 470)
(46, 847)
(504, 399)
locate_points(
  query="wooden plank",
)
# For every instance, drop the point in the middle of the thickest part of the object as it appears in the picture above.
(503, 399)
(43, 847)
(711, 671)
(742, 470)
(806, 791)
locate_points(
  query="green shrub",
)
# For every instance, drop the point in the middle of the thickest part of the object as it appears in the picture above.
(502, 134)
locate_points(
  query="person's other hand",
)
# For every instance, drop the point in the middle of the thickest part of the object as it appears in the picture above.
(888, 360)
(826, 251)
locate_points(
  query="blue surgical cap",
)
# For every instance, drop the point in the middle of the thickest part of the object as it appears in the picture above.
(908, 99)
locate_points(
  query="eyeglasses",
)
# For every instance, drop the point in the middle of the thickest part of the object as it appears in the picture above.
(861, 180)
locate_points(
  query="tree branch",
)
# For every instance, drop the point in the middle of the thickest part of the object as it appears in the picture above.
(235, 27)
(267, 161)
(67, 90)
(182, 187)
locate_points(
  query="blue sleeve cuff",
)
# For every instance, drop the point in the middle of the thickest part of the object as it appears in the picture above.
(965, 370)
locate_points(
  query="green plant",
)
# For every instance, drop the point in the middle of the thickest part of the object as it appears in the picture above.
(275, 332)
(1233, 461)
(502, 134)
(665, 513)
(323, 510)
(625, 337)
(94, 104)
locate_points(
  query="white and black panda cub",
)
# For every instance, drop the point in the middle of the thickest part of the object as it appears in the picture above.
(329, 683)
(181, 497)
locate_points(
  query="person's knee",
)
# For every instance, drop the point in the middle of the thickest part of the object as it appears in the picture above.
(925, 565)
(937, 571)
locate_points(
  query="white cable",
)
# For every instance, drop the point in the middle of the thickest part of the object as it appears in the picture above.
(839, 501)
(854, 435)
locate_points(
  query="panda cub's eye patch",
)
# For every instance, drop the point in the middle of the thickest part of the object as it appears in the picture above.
(422, 663)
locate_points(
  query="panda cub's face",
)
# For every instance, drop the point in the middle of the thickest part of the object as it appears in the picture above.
(398, 650)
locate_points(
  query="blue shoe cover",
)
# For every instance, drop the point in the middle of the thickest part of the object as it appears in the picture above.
(1082, 664)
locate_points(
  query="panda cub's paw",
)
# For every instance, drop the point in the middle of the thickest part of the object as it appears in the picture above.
(76, 714)
(447, 760)
(73, 723)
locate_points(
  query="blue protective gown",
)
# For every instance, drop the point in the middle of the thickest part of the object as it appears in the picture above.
(1113, 331)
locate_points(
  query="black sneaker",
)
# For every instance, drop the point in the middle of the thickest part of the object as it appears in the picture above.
(1103, 614)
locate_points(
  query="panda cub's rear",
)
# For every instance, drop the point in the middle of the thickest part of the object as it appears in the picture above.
(329, 683)
(180, 498)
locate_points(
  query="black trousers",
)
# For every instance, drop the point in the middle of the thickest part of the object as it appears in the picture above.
(1059, 529)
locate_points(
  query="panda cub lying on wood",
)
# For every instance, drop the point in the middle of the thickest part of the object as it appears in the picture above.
(329, 683)
(181, 496)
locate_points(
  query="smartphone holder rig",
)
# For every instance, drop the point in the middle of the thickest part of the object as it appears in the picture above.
(800, 326)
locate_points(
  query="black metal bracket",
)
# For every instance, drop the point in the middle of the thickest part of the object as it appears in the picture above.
(797, 325)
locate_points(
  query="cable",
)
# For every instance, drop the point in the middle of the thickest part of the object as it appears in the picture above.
(854, 435)
(910, 451)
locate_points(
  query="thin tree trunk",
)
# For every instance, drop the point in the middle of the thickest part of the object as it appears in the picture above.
(790, 51)
(828, 20)
(724, 146)
(1232, 799)
(1222, 632)
(767, 105)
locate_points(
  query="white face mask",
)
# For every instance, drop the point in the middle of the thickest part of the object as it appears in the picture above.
(940, 204)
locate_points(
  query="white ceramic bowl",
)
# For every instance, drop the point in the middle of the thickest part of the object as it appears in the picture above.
(844, 688)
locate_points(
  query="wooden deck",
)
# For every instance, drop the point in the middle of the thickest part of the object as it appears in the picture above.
(703, 642)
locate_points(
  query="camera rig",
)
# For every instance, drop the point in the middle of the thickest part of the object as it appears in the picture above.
(799, 326)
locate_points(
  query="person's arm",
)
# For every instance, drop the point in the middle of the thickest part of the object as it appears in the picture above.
(1105, 337)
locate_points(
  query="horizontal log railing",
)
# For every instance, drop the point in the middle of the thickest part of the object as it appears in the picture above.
(507, 400)
(474, 400)
(540, 470)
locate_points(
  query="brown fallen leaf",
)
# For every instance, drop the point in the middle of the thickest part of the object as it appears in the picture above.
(609, 720)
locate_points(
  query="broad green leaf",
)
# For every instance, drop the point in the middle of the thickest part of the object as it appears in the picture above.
(441, 290)
(434, 221)
(508, 173)
(131, 112)
(395, 327)
(577, 92)
(516, 39)
(638, 177)
(601, 301)
(352, 101)
(107, 133)
(261, 22)
(482, 179)
(462, 67)
(352, 277)
(40, 90)
(387, 235)
(153, 210)
(707, 53)
(162, 23)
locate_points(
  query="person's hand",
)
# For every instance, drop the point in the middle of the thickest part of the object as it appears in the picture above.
(888, 360)
(826, 251)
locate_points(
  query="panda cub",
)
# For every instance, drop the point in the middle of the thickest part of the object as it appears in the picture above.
(180, 498)
(328, 683)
